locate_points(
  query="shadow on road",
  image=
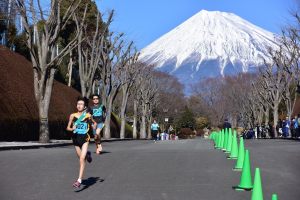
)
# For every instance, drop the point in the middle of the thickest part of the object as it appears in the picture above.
(104, 152)
(89, 182)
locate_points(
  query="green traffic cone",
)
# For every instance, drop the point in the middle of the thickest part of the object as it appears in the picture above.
(274, 197)
(240, 160)
(213, 136)
(222, 139)
(216, 140)
(257, 193)
(246, 179)
(225, 140)
(234, 147)
(229, 142)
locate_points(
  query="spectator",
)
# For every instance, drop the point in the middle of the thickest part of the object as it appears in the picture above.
(255, 132)
(279, 128)
(167, 134)
(258, 131)
(171, 132)
(286, 127)
(163, 135)
(298, 126)
(263, 131)
(293, 129)
(251, 134)
(226, 124)
(271, 130)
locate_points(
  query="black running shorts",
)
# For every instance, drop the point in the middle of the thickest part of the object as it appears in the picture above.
(80, 139)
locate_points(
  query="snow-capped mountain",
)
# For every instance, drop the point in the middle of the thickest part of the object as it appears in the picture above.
(210, 44)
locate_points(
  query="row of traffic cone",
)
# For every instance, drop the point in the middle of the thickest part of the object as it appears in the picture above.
(227, 142)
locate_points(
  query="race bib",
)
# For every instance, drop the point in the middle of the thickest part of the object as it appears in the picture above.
(97, 112)
(81, 128)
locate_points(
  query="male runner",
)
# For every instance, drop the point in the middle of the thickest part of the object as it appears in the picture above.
(98, 111)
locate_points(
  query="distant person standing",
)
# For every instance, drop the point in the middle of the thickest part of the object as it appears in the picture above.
(154, 130)
(172, 133)
(293, 127)
(271, 130)
(226, 124)
(298, 126)
(286, 127)
(279, 128)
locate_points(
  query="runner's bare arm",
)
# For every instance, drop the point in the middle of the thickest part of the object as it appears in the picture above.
(94, 123)
(69, 128)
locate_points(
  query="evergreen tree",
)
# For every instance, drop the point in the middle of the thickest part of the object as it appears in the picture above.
(187, 119)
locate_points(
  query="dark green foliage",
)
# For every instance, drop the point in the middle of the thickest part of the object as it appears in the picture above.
(20, 46)
(187, 119)
(68, 34)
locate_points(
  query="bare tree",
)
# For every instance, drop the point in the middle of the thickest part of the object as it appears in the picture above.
(211, 95)
(147, 93)
(136, 96)
(128, 76)
(90, 51)
(260, 99)
(114, 57)
(288, 57)
(42, 34)
(286, 60)
(170, 98)
(273, 82)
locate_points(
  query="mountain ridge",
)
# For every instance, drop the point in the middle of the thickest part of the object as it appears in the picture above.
(210, 44)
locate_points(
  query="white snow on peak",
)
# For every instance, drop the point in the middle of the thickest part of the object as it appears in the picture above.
(211, 35)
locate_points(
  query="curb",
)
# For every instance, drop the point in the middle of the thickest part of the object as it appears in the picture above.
(21, 147)
(53, 145)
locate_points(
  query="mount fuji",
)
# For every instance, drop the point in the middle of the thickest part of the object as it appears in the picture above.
(210, 44)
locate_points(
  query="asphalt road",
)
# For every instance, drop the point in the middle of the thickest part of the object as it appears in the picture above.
(138, 170)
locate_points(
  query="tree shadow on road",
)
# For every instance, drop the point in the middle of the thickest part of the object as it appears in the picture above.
(89, 182)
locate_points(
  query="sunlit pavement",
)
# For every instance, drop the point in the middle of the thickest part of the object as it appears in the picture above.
(184, 169)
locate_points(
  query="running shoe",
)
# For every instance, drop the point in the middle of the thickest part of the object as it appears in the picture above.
(89, 157)
(76, 184)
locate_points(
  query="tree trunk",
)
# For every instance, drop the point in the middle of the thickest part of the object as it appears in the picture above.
(43, 95)
(44, 136)
(122, 113)
(107, 134)
(134, 132)
(70, 67)
(83, 88)
(149, 127)
(275, 120)
(123, 122)
(267, 116)
(260, 117)
(93, 88)
(234, 121)
(143, 124)
(89, 91)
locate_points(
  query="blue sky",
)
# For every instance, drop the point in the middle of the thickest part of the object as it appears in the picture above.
(143, 21)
